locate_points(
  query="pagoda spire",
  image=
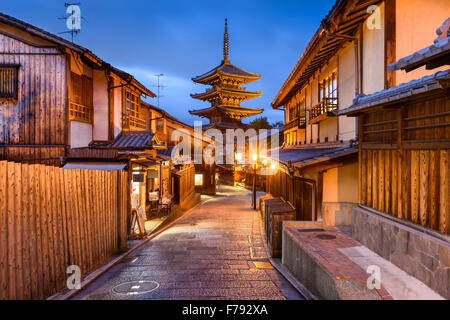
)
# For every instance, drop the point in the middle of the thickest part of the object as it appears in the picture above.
(225, 43)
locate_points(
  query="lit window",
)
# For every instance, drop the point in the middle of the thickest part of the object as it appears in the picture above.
(198, 179)
(9, 81)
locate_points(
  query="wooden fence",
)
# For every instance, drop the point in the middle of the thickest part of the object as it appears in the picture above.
(51, 218)
(299, 192)
(186, 183)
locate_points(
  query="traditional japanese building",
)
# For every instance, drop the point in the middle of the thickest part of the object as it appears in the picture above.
(226, 93)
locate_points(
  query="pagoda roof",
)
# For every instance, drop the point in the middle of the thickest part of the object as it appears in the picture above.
(226, 91)
(233, 111)
(228, 70)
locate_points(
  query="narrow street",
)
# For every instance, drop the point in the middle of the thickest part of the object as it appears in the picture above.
(215, 252)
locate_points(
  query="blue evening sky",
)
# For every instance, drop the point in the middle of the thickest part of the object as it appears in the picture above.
(184, 38)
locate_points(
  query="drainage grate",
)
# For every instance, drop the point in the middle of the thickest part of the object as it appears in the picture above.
(326, 236)
(311, 230)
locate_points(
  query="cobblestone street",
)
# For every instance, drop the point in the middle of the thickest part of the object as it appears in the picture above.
(215, 252)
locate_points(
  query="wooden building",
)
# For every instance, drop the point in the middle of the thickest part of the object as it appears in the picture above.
(404, 168)
(165, 125)
(348, 55)
(62, 105)
(60, 96)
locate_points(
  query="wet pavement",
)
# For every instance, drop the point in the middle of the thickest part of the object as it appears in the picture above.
(215, 252)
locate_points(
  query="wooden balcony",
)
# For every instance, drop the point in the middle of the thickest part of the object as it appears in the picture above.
(299, 123)
(323, 110)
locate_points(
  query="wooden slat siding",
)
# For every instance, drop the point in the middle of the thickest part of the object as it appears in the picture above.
(406, 195)
(24, 121)
(394, 182)
(69, 217)
(88, 213)
(11, 232)
(101, 214)
(52, 225)
(73, 239)
(81, 223)
(444, 206)
(4, 230)
(415, 185)
(369, 177)
(83, 220)
(424, 187)
(49, 228)
(434, 189)
(26, 232)
(363, 176)
(375, 179)
(400, 187)
(39, 242)
(61, 228)
(18, 230)
(96, 215)
(380, 162)
(107, 212)
(387, 180)
(43, 228)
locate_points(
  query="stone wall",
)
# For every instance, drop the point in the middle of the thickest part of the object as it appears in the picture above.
(421, 252)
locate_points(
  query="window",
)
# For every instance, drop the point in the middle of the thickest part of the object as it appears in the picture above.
(131, 115)
(81, 98)
(328, 87)
(160, 125)
(198, 179)
(9, 81)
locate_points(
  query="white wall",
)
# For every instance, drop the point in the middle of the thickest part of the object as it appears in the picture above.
(100, 105)
(373, 56)
(117, 109)
(80, 134)
(346, 88)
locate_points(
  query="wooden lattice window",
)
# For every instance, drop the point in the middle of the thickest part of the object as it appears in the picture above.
(9, 81)
(81, 98)
(160, 125)
(328, 87)
(131, 117)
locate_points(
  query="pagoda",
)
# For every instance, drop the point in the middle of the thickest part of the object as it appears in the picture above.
(226, 93)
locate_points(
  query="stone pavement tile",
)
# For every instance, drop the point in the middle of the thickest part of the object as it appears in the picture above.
(239, 266)
(254, 291)
(203, 292)
(226, 284)
(204, 256)
(263, 284)
(181, 285)
(158, 294)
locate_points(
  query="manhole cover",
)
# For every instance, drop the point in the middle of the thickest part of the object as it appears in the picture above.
(311, 230)
(136, 287)
(326, 236)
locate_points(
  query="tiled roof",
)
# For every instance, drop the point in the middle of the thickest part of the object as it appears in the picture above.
(394, 94)
(421, 57)
(133, 140)
(229, 69)
(306, 155)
